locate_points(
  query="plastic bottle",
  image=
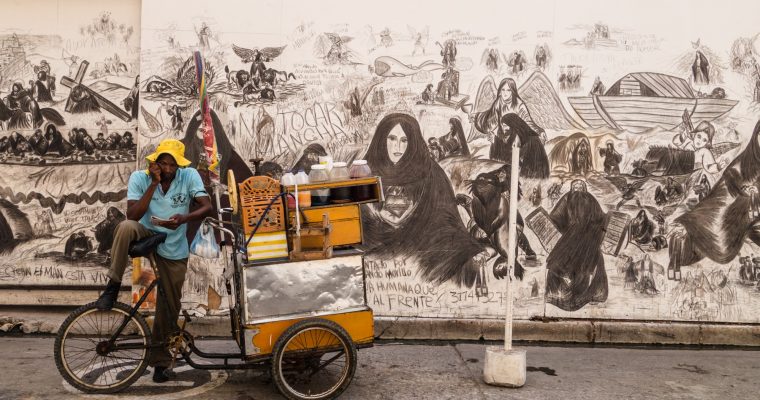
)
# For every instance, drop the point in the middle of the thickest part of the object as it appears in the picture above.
(340, 173)
(288, 179)
(318, 174)
(360, 169)
(304, 196)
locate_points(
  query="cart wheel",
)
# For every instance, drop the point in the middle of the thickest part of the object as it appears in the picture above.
(82, 354)
(313, 359)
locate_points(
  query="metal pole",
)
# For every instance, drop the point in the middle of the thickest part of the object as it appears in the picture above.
(217, 186)
(512, 242)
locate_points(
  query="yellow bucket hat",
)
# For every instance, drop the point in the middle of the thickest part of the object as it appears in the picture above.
(172, 147)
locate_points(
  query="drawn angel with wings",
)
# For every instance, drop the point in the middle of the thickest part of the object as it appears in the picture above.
(257, 57)
(517, 61)
(332, 48)
(542, 55)
(628, 190)
(255, 54)
(492, 58)
(420, 39)
(538, 96)
(369, 38)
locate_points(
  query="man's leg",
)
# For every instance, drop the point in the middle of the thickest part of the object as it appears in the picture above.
(172, 274)
(126, 232)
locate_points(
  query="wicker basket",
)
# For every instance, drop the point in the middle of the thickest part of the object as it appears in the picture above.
(255, 194)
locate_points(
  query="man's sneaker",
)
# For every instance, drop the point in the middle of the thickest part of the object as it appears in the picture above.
(161, 374)
(106, 300)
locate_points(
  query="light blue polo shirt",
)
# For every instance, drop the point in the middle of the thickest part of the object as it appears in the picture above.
(187, 185)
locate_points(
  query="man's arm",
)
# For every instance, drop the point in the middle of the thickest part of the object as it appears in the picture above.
(136, 208)
(178, 219)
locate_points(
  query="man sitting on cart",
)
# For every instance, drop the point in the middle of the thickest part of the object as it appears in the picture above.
(164, 191)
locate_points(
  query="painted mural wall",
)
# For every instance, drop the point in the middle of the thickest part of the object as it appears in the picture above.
(637, 123)
(68, 132)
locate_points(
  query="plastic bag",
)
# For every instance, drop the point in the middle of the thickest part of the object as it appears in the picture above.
(204, 244)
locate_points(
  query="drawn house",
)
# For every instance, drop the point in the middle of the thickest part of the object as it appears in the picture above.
(12, 55)
(644, 100)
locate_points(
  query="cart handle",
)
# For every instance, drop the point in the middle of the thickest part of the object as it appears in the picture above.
(219, 225)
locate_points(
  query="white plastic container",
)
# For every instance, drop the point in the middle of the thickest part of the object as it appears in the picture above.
(328, 161)
(288, 179)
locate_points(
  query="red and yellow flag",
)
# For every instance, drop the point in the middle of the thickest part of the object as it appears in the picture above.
(209, 142)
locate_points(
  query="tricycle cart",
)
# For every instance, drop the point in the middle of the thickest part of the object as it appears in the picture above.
(298, 300)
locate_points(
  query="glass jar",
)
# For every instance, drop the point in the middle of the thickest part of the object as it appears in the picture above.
(360, 169)
(318, 174)
(339, 172)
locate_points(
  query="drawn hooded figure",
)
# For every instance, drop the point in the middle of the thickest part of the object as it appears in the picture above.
(56, 142)
(700, 69)
(41, 87)
(726, 217)
(575, 266)
(533, 159)
(105, 229)
(39, 143)
(419, 218)
(20, 109)
(228, 157)
(641, 229)
(612, 159)
(454, 143)
(309, 157)
(132, 101)
(18, 145)
(581, 158)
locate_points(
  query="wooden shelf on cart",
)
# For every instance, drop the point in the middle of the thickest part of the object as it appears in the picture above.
(372, 180)
(333, 205)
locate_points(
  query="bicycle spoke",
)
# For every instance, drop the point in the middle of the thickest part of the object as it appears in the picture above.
(85, 363)
(328, 362)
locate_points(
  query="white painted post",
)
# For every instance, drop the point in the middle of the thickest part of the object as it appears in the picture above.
(507, 366)
(512, 242)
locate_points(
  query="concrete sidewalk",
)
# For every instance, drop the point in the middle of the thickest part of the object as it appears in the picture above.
(434, 370)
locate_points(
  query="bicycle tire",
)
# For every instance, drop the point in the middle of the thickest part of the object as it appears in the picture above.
(68, 333)
(297, 354)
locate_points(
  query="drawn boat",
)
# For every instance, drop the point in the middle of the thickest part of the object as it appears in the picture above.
(646, 100)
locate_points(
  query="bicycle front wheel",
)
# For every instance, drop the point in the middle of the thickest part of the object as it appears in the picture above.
(313, 359)
(88, 361)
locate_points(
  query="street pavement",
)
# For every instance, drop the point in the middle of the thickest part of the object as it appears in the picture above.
(433, 370)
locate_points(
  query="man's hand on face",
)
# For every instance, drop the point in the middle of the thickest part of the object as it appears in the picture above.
(175, 221)
(155, 172)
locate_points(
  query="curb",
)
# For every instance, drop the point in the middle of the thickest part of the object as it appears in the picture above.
(408, 328)
(564, 331)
